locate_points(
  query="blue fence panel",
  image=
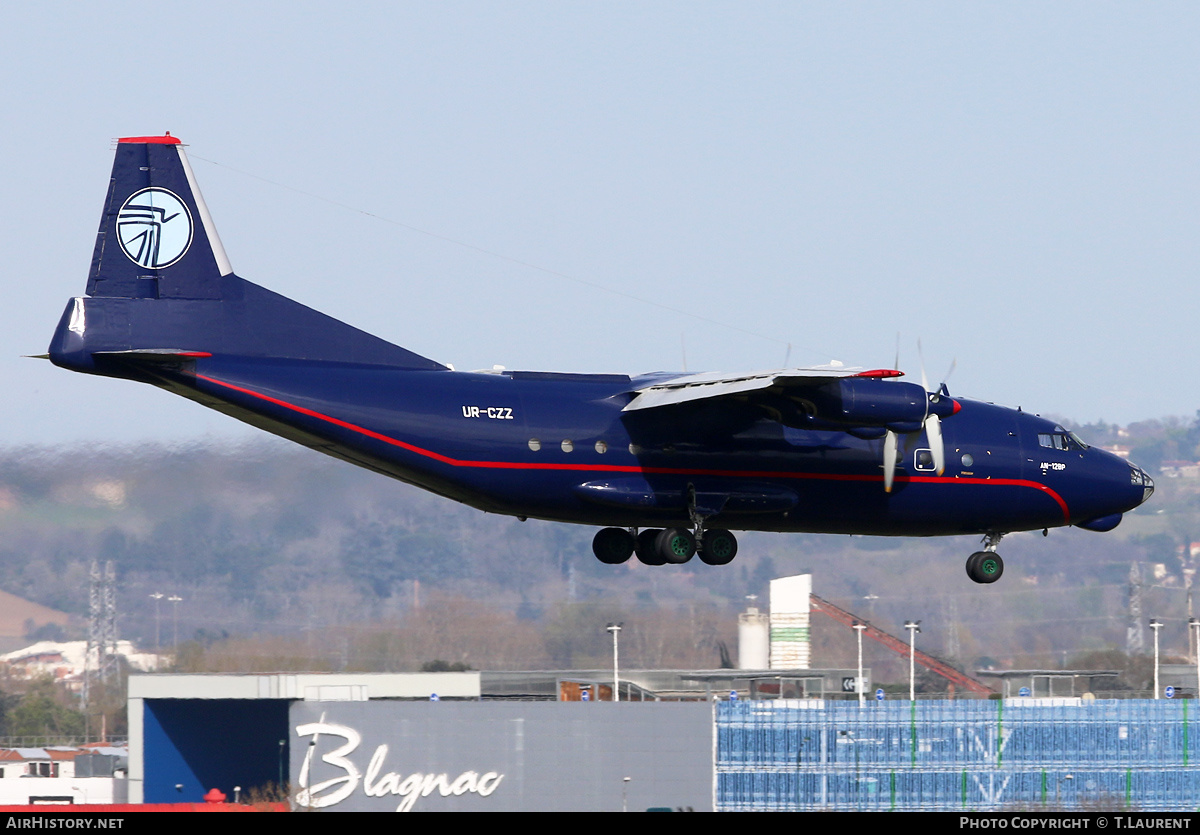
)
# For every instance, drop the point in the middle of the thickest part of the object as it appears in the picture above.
(976, 755)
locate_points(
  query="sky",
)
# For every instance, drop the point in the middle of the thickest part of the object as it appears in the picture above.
(637, 186)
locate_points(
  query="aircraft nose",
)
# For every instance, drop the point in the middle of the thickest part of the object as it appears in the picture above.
(1139, 477)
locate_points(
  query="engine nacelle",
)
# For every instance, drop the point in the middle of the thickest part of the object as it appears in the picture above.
(869, 402)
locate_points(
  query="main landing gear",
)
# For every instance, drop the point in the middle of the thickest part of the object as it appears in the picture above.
(672, 546)
(986, 566)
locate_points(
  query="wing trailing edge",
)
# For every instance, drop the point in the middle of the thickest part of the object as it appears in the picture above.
(708, 386)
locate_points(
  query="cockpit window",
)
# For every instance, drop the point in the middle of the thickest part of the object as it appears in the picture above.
(1061, 439)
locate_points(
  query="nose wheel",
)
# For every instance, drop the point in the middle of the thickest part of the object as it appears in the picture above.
(986, 566)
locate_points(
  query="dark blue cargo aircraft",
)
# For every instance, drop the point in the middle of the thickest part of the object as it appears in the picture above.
(665, 464)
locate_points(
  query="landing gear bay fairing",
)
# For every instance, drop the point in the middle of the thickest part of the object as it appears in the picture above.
(667, 465)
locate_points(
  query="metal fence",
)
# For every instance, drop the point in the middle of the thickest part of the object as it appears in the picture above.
(50, 741)
(961, 755)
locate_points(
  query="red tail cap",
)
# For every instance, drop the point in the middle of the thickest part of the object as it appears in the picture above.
(152, 140)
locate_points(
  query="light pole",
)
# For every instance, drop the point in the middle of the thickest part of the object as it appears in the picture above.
(175, 600)
(1156, 625)
(849, 736)
(1193, 623)
(858, 682)
(615, 629)
(157, 596)
(913, 627)
(1058, 789)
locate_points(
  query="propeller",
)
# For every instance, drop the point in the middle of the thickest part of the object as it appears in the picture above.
(931, 423)
(889, 460)
(890, 440)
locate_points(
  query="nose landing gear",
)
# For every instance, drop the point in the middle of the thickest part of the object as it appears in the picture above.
(986, 566)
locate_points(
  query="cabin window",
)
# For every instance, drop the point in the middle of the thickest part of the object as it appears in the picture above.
(968, 460)
(568, 446)
(601, 447)
(634, 449)
(923, 460)
(535, 444)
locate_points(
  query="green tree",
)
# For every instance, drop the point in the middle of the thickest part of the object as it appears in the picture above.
(41, 712)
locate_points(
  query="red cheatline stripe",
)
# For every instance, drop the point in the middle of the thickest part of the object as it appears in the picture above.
(621, 468)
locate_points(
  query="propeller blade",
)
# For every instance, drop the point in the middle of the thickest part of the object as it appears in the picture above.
(933, 430)
(949, 371)
(889, 460)
(930, 395)
(924, 379)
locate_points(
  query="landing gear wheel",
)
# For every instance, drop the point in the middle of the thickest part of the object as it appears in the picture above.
(676, 546)
(972, 561)
(613, 546)
(985, 566)
(718, 547)
(647, 547)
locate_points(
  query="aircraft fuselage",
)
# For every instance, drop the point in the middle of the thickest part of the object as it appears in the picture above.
(559, 447)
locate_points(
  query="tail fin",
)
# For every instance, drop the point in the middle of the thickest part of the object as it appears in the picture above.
(161, 283)
(156, 237)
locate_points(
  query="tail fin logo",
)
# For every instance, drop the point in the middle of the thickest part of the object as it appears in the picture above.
(154, 228)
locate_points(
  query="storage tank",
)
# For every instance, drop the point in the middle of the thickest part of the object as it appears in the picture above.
(754, 638)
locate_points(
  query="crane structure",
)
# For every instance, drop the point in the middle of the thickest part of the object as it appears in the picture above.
(898, 646)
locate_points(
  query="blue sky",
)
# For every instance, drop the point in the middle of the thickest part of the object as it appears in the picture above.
(1013, 184)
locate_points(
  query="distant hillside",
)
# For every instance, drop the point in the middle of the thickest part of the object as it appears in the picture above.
(20, 618)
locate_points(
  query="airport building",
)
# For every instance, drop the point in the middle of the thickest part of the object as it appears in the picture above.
(344, 742)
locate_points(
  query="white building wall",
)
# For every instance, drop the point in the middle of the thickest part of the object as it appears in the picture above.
(791, 602)
(24, 790)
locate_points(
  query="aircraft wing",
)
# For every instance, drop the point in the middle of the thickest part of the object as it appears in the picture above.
(708, 386)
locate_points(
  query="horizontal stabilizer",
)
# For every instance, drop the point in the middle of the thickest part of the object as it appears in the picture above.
(153, 355)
